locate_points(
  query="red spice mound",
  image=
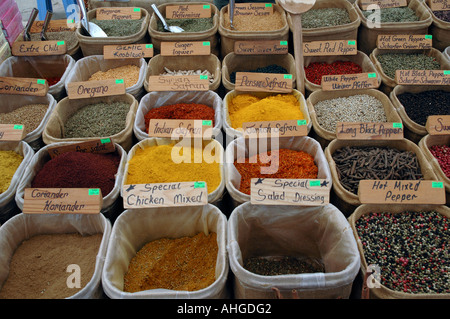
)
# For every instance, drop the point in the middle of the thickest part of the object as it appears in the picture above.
(314, 71)
(180, 111)
(284, 163)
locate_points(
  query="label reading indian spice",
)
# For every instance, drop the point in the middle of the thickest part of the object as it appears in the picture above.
(165, 194)
(62, 200)
(401, 192)
(303, 192)
(369, 131)
(180, 128)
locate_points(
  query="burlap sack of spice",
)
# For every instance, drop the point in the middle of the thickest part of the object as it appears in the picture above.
(210, 35)
(388, 83)
(8, 206)
(87, 66)
(319, 232)
(136, 227)
(94, 45)
(324, 136)
(109, 204)
(41, 67)
(228, 36)
(347, 31)
(24, 226)
(13, 102)
(413, 131)
(424, 144)
(347, 201)
(210, 63)
(439, 29)
(216, 195)
(368, 34)
(240, 63)
(382, 292)
(240, 147)
(157, 99)
(146, 4)
(359, 58)
(54, 130)
(234, 133)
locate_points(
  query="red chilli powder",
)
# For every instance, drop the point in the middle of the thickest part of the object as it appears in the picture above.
(79, 170)
(314, 71)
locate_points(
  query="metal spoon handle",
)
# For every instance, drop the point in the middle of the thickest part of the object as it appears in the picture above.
(160, 16)
(84, 19)
(231, 13)
(48, 17)
(33, 15)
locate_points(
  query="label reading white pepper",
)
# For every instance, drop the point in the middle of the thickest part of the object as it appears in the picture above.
(359, 81)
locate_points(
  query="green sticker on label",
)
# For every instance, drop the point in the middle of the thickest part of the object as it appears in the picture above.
(94, 191)
(446, 72)
(60, 43)
(18, 127)
(283, 42)
(203, 77)
(206, 43)
(268, 5)
(149, 46)
(119, 81)
(351, 42)
(288, 76)
(301, 122)
(199, 185)
(428, 36)
(437, 185)
(371, 75)
(207, 122)
(314, 183)
(136, 9)
(40, 81)
(397, 125)
(71, 21)
(105, 140)
(206, 6)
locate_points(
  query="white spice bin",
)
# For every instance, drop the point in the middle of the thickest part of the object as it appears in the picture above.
(159, 99)
(241, 147)
(136, 227)
(24, 226)
(380, 291)
(318, 232)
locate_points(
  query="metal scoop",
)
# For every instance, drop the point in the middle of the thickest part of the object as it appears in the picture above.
(173, 28)
(231, 13)
(91, 28)
(48, 17)
(33, 15)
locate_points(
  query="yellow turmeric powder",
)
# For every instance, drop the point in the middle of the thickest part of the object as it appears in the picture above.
(249, 108)
(9, 163)
(174, 163)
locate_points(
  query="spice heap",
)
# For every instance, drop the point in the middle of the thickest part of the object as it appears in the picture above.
(45, 258)
(119, 28)
(418, 106)
(79, 170)
(180, 111)
(186, 263)
(254, 23)
(284, 265)
(249, 108)
(399, 14)
(443, 15)
(53, 80)
(391, 62)
(355, 163)
(188, 25)
(325, 17)
(9, 163)
(30, 116)
(315, 70)
(355, 108)
(189, 72)
(69, 37)
(282, 163)
(273, 68)
(174, 163)
(129, 74)
(97, 120)
(411, 249)
(442, 154)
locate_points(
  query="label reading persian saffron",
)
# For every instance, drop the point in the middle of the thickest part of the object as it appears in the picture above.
(94, 146)
(263, 82)
(118, 13)
(128, 51)
(302, 192)
(422, 77)
(11, 132)
(261, 47)
(188, 48)
(369, 131)
(323, 48)
(438, 124)
(188, 11)
(23, 86)
(165, 195)
(89, 89)
(400, 192)
(62, 200)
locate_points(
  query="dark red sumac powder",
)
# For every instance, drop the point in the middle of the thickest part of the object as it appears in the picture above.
(79, 170)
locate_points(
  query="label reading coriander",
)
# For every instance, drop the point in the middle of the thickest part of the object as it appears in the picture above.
(23, 86)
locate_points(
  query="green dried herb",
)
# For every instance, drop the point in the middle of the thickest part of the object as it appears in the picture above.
(119, 28)
(399, 14)
(326, 17)
(189, 25)
(391, 62)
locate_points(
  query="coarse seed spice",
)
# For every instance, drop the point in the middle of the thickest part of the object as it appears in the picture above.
(128, 73)
(325, 17)
(30, 116)
(186, 263)
(410, 248)
(283, 265)
(391, 62)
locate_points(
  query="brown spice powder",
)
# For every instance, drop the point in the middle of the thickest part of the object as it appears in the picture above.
(38, 269)
(186, 263)
(128, 73)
